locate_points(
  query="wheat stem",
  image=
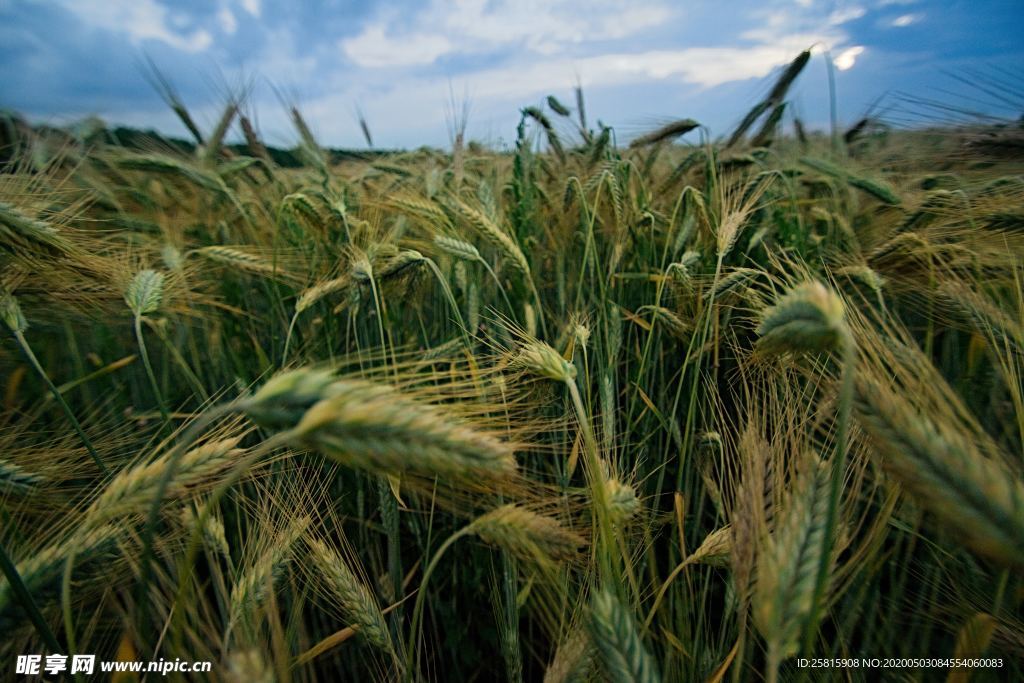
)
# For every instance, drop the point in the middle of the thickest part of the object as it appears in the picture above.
(596, 475)
(195, 540)
(849, 358)
(34, 362)
(417, 612)
(153, 515)
(149, 371)
(25, 598)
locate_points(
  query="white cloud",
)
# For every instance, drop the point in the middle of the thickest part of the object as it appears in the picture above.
(140, 20)
(905, 20)
(252, 7)
(539, 22)
(374, 48)
(848, 57)
(703, 66)
(545, 27)
(843, 15)
(706, 67)
(822, 29)
(227, 21)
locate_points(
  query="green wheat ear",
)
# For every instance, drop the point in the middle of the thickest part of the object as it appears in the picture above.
(540, 359)
(285, 398)
(808, 319)
(10, 312)
(145, 292)
(622, 501)
(457, 248)
(618, 643)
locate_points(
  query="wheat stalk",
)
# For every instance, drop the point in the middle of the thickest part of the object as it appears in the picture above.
(372, 427)
(749, 514)
(282, 401)
(213, 531)
(716, 548)
(172, 257)
(425, 210)
(864, 274)
(774, 98)
(674, 325)
(877, 189)
(22, 233)
(14, 319)
(301, 207)
(252, 139)
(735, 280)
(984, 313)
(157, 163)
(41, 572)
(549, 130)
(209, 151)
(143, 296)
(399, 263)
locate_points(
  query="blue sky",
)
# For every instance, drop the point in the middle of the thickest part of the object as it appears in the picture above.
(641, 62)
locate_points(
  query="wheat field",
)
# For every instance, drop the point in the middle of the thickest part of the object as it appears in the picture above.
(674, 410)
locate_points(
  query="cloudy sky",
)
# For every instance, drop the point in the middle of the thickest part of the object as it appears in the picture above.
(641, 62)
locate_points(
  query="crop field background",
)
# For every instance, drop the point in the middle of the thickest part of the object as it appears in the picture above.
(682, 409)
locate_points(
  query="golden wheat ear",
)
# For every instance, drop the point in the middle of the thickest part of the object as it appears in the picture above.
(358, 603)
(374, 426)
(574, 660)
(977, 498)
(132, 490)
(527, 533)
